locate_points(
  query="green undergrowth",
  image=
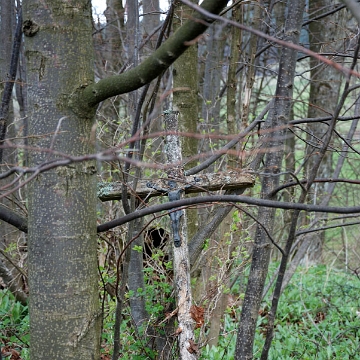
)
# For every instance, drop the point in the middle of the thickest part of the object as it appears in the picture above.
(14, 327)
(317, 318)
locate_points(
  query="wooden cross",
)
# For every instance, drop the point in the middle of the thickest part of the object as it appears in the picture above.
(177, 183)
(226, 180)
(174, 186)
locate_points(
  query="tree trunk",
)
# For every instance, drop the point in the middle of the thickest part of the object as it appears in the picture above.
(115, 24)
(249, 73)
(274, 142)
(222, 249)
(64, 310)
(136, 274)
(232, 90)
(185, 100)
(210, 110)
(136, 281)
(187, 347)
(63, 275)
(324, 93)
(151, 19)
(7, 234)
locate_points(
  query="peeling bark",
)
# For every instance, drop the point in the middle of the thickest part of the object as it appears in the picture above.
(182, 285)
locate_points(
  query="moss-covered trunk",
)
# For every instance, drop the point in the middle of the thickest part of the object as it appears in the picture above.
(64, 317)
(185, 100)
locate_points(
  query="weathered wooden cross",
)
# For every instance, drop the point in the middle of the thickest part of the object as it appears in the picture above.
(174, 186)
(226, 180)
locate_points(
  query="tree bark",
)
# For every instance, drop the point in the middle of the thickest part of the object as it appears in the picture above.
(151, 20)
(185, 332)
(136, 274)
(115, 25)
(324, 94)
(64, 310)
(274, 142)
(185, 100)
(63, 275)
(9, 274)
(232, 90)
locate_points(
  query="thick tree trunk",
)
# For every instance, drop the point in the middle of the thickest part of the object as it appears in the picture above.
(63, 278)
(64, 309)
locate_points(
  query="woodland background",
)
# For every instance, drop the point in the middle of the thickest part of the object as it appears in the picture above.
(285, 114)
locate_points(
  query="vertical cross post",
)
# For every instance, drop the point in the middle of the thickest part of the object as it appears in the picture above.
(179, 228)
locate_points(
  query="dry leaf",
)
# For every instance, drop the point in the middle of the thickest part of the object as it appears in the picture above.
(7, 350)
(197, 314)
(193, 348)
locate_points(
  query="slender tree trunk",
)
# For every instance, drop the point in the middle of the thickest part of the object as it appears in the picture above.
(249, 72)
(136, 281)
(136, 275)
(324, 93)
(185, 332)
(308, 238)
(220, 269)
(120, 296)
(10, 275)
(6, 17)
(210, 114)
(232, 89)
(274, 142)
(114, 42)
(210, 110)
(151, 19)
(63, 276)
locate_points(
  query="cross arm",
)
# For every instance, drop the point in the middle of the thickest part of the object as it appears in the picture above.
(227, 180)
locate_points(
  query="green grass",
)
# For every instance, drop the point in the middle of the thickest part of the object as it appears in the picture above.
(317, 319)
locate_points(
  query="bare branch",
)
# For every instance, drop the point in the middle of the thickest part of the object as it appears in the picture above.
(284, 43)
(227, 199)
(322, 228)
(205, 164)
(12, 218)
(8, 278)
